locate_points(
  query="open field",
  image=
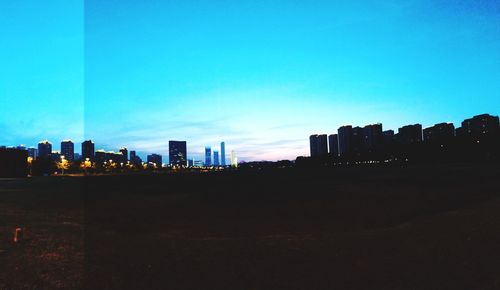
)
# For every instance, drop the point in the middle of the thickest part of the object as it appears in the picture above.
(372, 228)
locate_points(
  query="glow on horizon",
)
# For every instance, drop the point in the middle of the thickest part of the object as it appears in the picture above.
(260, 75)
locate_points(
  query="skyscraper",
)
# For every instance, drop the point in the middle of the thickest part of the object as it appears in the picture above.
(223, 153)
(318, 145)
(216, 158)
(439, 132)
(124, 152)
(134, 159)
(234, 159)
(333, 143)
(208, 156)
(88, 150)
(44, 149)
(133, 156)
(345, 139)
(409, 134)
(68, 150)
(373, 137)
(155, 159)
(388, 137)
(480, 125)
(357, 139)
(322, 144)
(177, 153)
(313, 145)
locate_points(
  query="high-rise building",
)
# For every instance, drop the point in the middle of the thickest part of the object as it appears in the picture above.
(208, 156)
(223, 153)
(68, 150)
(44, 149)
(313, 145)
(155, 159)
(357, 139)
(388, 137)
(134, 159)
(216, 158)
(333, 144)
(124, 152)
(322, 144)
(409, 134)
(177, 153)
(21, 147)
(32, 152)
(439, 132)
(133, 156)
(234, 159)
(480, 125)
(318, 145)
(373, 137)
(345, 139)
(88, 150)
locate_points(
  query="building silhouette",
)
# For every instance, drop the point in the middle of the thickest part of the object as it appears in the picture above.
(373, 137)
(357, 139)
(216, 158)
(155, 159)
(88, 150)
(439, 132)
(409, 134)
(322, 144)
(134, 159)
(208, 156)
(223, 153)
(479, 126)
(313, 145)
(345, 139)
(318, 145)
(68, 150)
(388, 137)
(177, 153)
(44, 149)
(333, 144)
(32, 152)
(124, 152)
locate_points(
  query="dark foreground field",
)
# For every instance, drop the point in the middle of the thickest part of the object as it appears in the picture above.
(373, 228)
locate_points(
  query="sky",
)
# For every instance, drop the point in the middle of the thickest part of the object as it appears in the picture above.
(260, 75)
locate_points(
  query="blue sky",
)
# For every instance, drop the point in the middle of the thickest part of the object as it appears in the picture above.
(260, 75)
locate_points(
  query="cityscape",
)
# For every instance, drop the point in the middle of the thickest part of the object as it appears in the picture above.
(243, 145)
(90, 158)
(364, 142)
(370, 144)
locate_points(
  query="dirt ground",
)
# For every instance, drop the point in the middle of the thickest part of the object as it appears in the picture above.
(364, 228)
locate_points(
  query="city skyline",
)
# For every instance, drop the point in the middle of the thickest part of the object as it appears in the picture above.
(365, 136)
(259, 76)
